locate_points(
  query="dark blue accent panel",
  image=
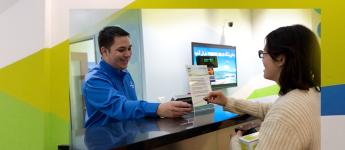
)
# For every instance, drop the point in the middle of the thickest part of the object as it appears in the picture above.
(333, 100)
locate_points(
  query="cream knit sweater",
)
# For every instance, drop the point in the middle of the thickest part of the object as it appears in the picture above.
(292, 122)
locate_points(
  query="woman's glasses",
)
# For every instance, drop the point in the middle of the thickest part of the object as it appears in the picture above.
(261, 53)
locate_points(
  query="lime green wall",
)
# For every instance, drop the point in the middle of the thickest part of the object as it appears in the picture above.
(265, 91)
(34, 101)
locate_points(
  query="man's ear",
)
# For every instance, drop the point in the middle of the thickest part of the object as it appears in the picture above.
(103, 50)
(281, 60)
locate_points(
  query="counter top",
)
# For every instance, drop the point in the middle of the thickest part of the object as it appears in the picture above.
(148, 133)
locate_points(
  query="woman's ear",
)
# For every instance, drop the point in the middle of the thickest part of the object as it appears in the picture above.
(281, 60)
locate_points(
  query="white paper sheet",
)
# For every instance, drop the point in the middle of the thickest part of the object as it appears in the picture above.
(199, 84)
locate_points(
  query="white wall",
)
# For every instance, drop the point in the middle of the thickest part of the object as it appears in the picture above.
(332, 132)
(22, 29)
(167, 37)
(168, 33)
(266, 20)
(263, 21)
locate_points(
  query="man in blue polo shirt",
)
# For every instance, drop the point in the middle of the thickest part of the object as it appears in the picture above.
(109, 90)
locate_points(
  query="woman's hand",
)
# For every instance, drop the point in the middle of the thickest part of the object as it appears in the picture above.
(216, 97)
(234, 133)
(234, 140)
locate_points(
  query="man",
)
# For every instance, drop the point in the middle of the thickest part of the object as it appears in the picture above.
(109, 90)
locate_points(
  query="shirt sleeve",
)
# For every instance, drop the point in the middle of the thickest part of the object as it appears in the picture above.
(100, 94)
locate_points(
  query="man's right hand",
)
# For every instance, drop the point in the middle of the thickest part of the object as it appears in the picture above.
(173, 109)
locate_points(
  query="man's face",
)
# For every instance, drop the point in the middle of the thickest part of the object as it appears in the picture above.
(119, 53)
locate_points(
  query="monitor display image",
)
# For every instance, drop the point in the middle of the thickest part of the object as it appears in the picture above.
(223, 67)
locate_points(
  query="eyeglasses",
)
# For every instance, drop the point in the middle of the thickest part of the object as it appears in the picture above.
(261, 53)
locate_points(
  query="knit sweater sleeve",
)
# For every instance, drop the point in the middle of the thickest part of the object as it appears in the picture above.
(292, 122)
(256, 109)
(277, 135)
(273, 136)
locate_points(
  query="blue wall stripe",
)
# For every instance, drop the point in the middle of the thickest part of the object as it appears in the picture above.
(333, 100)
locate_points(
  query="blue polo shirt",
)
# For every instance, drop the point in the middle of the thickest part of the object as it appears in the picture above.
(110, 96)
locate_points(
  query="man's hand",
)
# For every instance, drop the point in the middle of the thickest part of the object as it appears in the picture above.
(173, 109)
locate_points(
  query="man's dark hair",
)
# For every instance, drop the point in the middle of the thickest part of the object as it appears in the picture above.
(301, 49)
(107, 34)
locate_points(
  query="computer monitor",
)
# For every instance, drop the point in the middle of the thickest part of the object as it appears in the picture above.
(224, 72)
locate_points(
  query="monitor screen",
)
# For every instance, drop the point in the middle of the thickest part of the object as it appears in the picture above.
(224, 72)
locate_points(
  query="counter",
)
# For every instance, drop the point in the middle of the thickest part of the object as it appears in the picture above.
(150, 133)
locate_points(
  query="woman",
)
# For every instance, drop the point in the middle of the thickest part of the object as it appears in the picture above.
(291, 58)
